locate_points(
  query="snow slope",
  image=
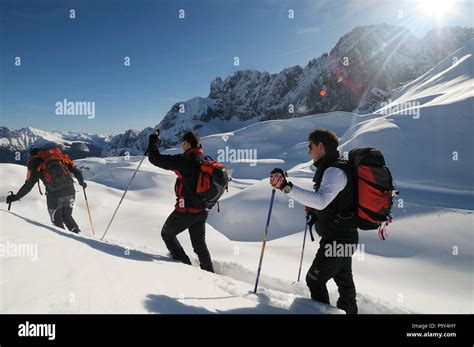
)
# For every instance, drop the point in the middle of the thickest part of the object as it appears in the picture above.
(72, 273)
(421, 150)
(76, 271)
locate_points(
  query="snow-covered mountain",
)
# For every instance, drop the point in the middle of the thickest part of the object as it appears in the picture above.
(131, 142)
(356, 75)
(428, 252)
(77, 145)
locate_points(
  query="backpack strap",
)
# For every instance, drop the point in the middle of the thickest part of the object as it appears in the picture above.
(67, 160)
(198, 159)
(310, 221)
(382, 230)
(29, 173)
(311, 232)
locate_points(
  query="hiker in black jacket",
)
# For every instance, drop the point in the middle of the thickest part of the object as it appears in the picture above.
(331, 209)
(60, 192)
(185, 214)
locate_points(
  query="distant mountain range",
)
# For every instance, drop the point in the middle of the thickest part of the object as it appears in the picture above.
(14, 144)
(357, 75)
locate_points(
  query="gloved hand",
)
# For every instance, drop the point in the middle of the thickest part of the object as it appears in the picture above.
(154, 138)
(83, 184)
(11, 198)
(278, 179)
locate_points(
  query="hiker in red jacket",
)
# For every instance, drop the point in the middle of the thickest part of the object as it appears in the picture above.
(54, 169)
(185, 215)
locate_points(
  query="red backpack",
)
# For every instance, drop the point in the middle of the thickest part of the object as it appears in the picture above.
(212, 181)
(54, 169)
(374, 189)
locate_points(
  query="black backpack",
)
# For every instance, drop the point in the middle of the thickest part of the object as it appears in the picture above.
(212, 182)
(374, 189)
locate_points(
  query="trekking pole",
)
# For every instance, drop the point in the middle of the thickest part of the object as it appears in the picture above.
(125, 192)
(264, 240)
(88, 210)
(302, 250)
(10, 204)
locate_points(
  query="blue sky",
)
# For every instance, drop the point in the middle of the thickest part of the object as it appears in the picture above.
(171, 59)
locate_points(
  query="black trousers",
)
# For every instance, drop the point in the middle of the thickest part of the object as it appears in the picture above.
(326, 267)
(176, 223)
(60, 205)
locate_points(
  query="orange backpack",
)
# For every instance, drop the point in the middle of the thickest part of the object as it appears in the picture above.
(212, 182)
(53, 167)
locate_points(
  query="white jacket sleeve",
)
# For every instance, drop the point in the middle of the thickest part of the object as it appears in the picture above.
(334, 180)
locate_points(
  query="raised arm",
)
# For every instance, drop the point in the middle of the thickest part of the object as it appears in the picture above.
(333, 182)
